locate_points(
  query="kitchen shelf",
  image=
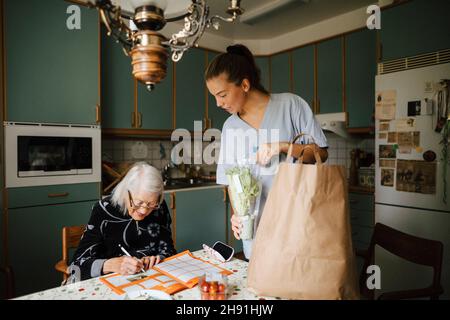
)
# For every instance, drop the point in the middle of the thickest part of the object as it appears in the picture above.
(359, 189)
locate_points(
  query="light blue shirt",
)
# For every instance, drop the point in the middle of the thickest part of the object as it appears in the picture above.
(286, 116)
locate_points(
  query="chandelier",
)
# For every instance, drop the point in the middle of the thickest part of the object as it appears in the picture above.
(135, 25)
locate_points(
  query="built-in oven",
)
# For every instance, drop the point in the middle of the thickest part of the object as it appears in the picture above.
(47, 154)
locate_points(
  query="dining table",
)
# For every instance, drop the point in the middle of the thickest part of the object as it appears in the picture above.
(95, 289)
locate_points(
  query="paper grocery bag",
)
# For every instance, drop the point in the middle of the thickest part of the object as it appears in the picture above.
(302, 248)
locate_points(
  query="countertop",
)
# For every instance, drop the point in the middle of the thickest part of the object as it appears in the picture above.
(201, 186)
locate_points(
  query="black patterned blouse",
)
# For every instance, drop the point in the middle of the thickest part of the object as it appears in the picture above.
(108, 227)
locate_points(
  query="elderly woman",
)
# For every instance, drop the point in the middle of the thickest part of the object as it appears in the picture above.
(134, 217)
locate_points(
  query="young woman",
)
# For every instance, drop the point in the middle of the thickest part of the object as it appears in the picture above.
(274, 119)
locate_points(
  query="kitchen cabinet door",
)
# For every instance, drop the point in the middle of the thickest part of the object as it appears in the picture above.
(35, 242)
(329, 76)
(263, 63)
(303, 73)
(52, 72)
(200, 218)
(117, 86)
(361, 68)
(156, 107)
(190, 89)
(216, 115)
(362, 219)
(415, 27)
(280, 73)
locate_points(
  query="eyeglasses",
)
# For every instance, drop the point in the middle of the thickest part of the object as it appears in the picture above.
(142, 204)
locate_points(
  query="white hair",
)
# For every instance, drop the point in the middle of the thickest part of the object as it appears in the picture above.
(141, 177)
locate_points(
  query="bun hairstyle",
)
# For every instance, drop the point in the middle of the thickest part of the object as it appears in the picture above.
(239, 64)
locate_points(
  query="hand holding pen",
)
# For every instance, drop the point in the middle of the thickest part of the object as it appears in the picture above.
(129, 255)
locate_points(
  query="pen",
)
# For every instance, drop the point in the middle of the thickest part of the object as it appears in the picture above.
(126, 252)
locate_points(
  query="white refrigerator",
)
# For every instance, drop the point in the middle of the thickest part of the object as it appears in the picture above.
(407, 197)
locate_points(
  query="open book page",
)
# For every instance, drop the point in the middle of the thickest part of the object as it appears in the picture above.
(174, 274)
(186, 269)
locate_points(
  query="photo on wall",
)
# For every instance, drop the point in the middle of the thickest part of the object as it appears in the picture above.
(387, 151)
(416, 176)
(387, 177)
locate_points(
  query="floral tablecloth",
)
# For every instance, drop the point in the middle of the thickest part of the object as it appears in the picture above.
(94, 289)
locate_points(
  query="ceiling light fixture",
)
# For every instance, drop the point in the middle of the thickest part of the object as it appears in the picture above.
(135, 25)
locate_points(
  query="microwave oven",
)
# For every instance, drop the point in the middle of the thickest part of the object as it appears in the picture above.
(39, 154)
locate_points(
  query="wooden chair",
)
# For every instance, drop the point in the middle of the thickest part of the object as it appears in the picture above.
(414, 249)
(10, 287)
(70, 239)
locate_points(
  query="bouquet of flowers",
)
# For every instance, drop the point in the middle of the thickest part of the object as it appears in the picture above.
(244, 190)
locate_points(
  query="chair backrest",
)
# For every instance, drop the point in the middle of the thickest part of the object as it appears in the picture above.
(411, 248)
(71, 237)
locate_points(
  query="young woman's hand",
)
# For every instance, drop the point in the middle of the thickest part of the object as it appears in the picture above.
(267, 150)
(236, 226)
(124, 265)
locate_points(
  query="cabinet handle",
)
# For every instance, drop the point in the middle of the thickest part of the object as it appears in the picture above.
(133, 118)
(224, 194)
(139, 116)
(172, 201)
(97, 113)
(58, 195)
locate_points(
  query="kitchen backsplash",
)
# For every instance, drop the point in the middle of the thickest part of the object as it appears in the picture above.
(339, 149)
(157, 152)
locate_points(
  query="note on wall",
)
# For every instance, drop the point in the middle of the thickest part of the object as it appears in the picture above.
(405, 125)
(385, 104)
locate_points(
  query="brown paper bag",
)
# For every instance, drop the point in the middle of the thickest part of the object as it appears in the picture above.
(302, 248)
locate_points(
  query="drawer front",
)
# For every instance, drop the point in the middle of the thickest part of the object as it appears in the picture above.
(361, 235)
(43, 195)
(361, 201)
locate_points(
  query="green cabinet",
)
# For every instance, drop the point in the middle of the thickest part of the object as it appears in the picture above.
(36, 216)
(329, 76)
(117, 85)
(156, 107)
(190, 89)
(303, 73)
(263, 63)
(361, 218)
(361, 68)
(216, 115)
(35, 244)
(280, 73)
(415, 27)
(51, 71)
(200, 218)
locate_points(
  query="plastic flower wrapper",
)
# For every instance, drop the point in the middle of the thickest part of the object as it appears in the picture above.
(245, 190)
